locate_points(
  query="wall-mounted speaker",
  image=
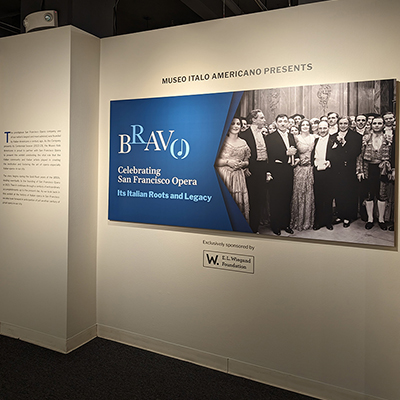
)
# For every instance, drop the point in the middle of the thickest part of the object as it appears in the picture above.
(41, 20)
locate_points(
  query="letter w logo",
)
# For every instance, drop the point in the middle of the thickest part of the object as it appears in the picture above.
(212, 259)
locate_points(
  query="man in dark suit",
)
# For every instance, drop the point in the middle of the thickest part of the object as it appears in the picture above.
(256, 182)
(323, 176)
(345, 151)
(281, 150)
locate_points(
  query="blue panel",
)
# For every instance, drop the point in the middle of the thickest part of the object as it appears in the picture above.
(162, 155)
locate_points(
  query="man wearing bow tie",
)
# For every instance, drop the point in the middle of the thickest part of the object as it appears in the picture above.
(281, 152)
(256, 181)
(323, 175)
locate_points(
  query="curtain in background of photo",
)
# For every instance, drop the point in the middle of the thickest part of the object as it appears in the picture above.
(317, 100)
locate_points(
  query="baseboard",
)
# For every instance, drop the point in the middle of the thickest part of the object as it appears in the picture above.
(48, 341)
(294, 383)
(81, 338)
(257, 373)
(165, 348)
(35, 337)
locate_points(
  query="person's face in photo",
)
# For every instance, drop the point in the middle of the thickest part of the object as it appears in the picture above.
(361, 121)
(332, 119)
(343, 125)
(323, 128)
(297, 120)
(389, 120)
(282, 123)
(259, 121)
(272, 128)
(305, 127)
(235, 126)
(377, 125)
(314, 125)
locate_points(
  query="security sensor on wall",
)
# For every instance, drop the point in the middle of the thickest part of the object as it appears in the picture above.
(41, 20)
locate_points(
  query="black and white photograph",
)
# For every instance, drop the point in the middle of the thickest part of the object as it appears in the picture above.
(316, 162)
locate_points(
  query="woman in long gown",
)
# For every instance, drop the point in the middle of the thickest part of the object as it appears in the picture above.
(303, 206)
(231, 165)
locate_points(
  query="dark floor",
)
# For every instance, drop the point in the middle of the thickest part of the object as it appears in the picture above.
(103, 369)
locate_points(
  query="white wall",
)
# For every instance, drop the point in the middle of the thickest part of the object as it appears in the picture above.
(82, 213)
(45, 250)
(35, 85)
(322, 319)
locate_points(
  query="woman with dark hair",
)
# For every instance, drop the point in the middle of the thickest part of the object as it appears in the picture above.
(303, 207)
(232, 163)
(294, 130)
(373, 168)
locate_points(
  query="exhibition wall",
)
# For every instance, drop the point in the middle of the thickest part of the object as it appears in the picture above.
(318, 318)
(49, 124)
(82, 212)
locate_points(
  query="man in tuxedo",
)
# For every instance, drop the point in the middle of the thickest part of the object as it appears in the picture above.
(281, 151)
(256, 182)
(345, 151)
(323, 176)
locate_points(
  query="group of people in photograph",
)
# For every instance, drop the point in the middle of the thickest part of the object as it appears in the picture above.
(297, 173)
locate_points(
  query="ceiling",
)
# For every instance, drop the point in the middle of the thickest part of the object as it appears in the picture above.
(141, 15)
(155, 14)
(9, 17)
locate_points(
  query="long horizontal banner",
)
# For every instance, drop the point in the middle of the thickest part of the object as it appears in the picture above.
(190, 161)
